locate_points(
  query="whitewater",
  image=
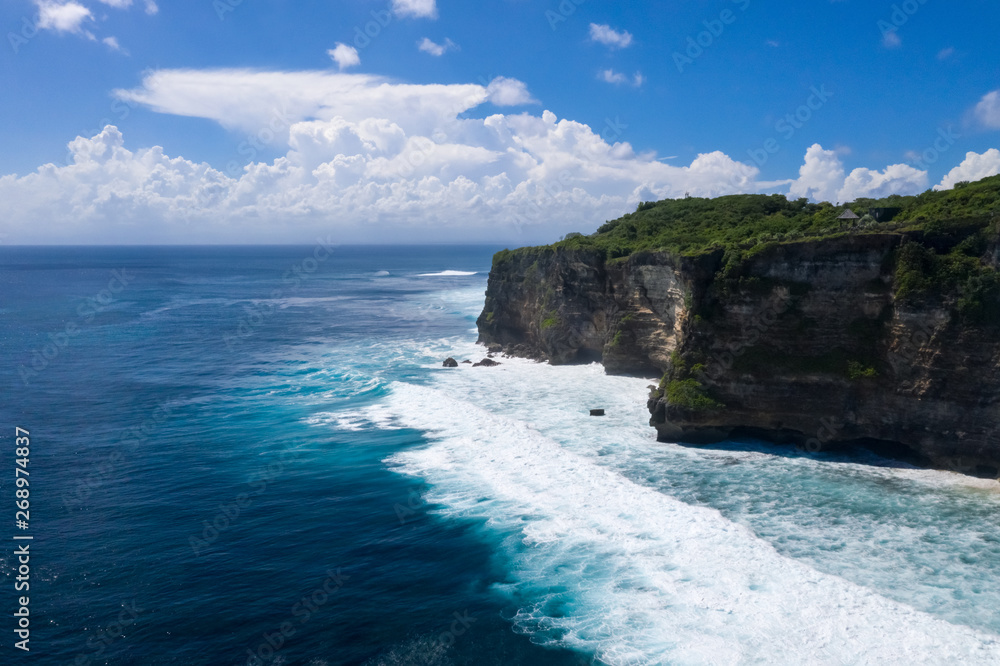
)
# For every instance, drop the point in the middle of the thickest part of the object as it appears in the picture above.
(641, 552)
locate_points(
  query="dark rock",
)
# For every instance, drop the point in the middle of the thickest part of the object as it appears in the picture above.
(450, 363)
(597, 412)
(810, 345)
(486, 363)
(466, 361)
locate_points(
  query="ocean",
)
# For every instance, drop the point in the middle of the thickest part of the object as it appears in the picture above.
(253, 455)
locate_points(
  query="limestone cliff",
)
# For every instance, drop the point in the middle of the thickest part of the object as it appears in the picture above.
(817, 342)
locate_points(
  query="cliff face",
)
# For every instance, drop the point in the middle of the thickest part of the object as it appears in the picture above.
(809, 343)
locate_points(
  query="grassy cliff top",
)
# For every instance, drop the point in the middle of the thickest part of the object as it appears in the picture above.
(695, 226)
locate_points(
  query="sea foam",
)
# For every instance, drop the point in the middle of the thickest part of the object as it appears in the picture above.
(604, 559)
(449, 274)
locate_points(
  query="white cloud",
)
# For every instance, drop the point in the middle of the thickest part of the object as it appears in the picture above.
(617, 78)
(112, 43)
(611, 76)
(118, 4)
(821, 177)
(509, 92)
(946, 53)
(987, 112)
(387, 157)
(152, 7)
(895, 179)
(496, 177)
(605, 34)
(345, 56)
(892, 40)
(62, 17)
(973, 167)
(363, 158)
(415, 8)
(437, 50)
(252, 99)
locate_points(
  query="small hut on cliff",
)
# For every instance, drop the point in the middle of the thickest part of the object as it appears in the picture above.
(849, 216)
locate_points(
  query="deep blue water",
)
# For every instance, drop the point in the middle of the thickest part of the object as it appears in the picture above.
(223, 355)
(254, 456)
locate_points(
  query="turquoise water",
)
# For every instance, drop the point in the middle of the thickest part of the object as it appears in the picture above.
(229, 443)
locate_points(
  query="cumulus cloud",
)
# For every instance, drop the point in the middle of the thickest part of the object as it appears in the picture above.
(503, 91)
(63, 17)
(392, 156)
(605, 34)
(895, 179)
(822, 178)
(987, 112)
(152, 7)
(345, 56)
(428, 46)
(973, 167)
(364, 158)
(118, 4)
(415, 8)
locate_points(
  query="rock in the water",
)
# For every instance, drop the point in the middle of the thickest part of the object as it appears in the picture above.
(486, 363)
(597, 412)
(467, 361)
(494, 348)
(450, 363)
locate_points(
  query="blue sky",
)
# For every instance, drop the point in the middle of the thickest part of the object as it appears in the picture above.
(504, 120)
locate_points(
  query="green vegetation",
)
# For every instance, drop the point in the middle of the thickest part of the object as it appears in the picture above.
(681, 387)
(551, 321)
(746, 222)
(947, 235)
(857, 371)
(923, 273)
(690, 393)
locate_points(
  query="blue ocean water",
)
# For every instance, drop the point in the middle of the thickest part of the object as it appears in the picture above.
(253, 455)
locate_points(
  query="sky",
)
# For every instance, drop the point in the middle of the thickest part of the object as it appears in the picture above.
(499, 121)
